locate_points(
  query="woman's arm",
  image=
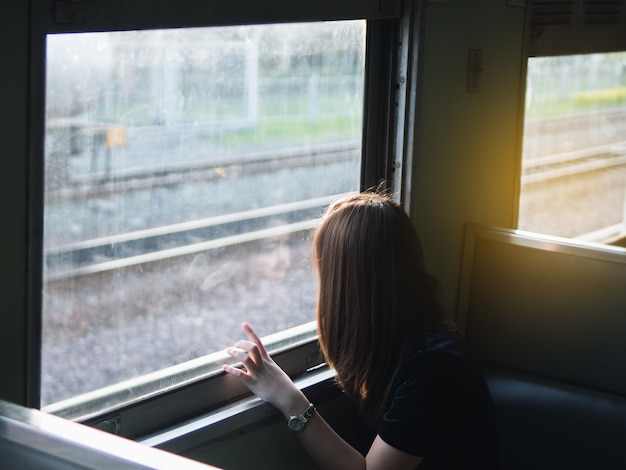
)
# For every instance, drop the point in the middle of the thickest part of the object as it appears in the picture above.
(270, 383)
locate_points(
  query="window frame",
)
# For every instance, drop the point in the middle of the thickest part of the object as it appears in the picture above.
(572, 26)
(387, 145)
(567, 29)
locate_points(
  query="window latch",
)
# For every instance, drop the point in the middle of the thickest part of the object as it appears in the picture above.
(474, 70)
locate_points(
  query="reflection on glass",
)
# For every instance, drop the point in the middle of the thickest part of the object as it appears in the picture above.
(574, 158)
(184, 171)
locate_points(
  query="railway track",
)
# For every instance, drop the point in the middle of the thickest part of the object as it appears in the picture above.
(172, 241)
(109, 182)
(541, 169)
(614, 117)
(160, 243)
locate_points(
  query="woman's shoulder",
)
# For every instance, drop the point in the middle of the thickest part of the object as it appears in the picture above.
(439, 400)
(439, 357)
(440, 377)
(437, 341)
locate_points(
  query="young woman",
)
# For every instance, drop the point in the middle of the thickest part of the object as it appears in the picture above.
(383, 328)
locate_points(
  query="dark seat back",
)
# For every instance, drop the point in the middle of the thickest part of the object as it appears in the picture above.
(548, 319)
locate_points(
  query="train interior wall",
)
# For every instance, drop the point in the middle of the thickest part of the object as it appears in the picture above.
(273, 446)
(467, 143)
(14, 54)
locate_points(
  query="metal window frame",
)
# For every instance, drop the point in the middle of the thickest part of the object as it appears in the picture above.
(575, 27)
(568, 27)
(387, 98)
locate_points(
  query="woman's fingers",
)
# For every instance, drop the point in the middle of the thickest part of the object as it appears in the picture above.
(250, 360)
(260, 373)
(234, 371)
(254, 338)
(254, 351)
(237, 353)
(251, 353)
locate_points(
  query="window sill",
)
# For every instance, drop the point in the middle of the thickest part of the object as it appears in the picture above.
(246, 414)
(157, 401)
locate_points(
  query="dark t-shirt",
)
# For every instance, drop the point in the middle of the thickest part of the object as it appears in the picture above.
(441, 408)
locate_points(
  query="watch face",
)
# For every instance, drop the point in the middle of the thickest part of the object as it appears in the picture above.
(296, 423)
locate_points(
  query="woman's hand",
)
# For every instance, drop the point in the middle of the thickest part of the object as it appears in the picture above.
(269, 382)
(263, 376)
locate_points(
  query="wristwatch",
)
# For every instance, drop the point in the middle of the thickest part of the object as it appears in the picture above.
(297, 423)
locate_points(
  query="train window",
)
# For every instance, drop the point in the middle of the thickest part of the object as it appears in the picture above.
(184, 171)
(573, 181)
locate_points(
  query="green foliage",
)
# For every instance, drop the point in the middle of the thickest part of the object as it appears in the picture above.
(290, 131)
(579, 103)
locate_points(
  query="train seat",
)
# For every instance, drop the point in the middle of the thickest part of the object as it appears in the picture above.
(547, 318)
(546, 424)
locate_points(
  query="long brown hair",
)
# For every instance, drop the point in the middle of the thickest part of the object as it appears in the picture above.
(374, 295)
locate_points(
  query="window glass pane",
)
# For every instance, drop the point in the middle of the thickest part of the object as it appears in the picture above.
(184, 172)
(574, 157)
